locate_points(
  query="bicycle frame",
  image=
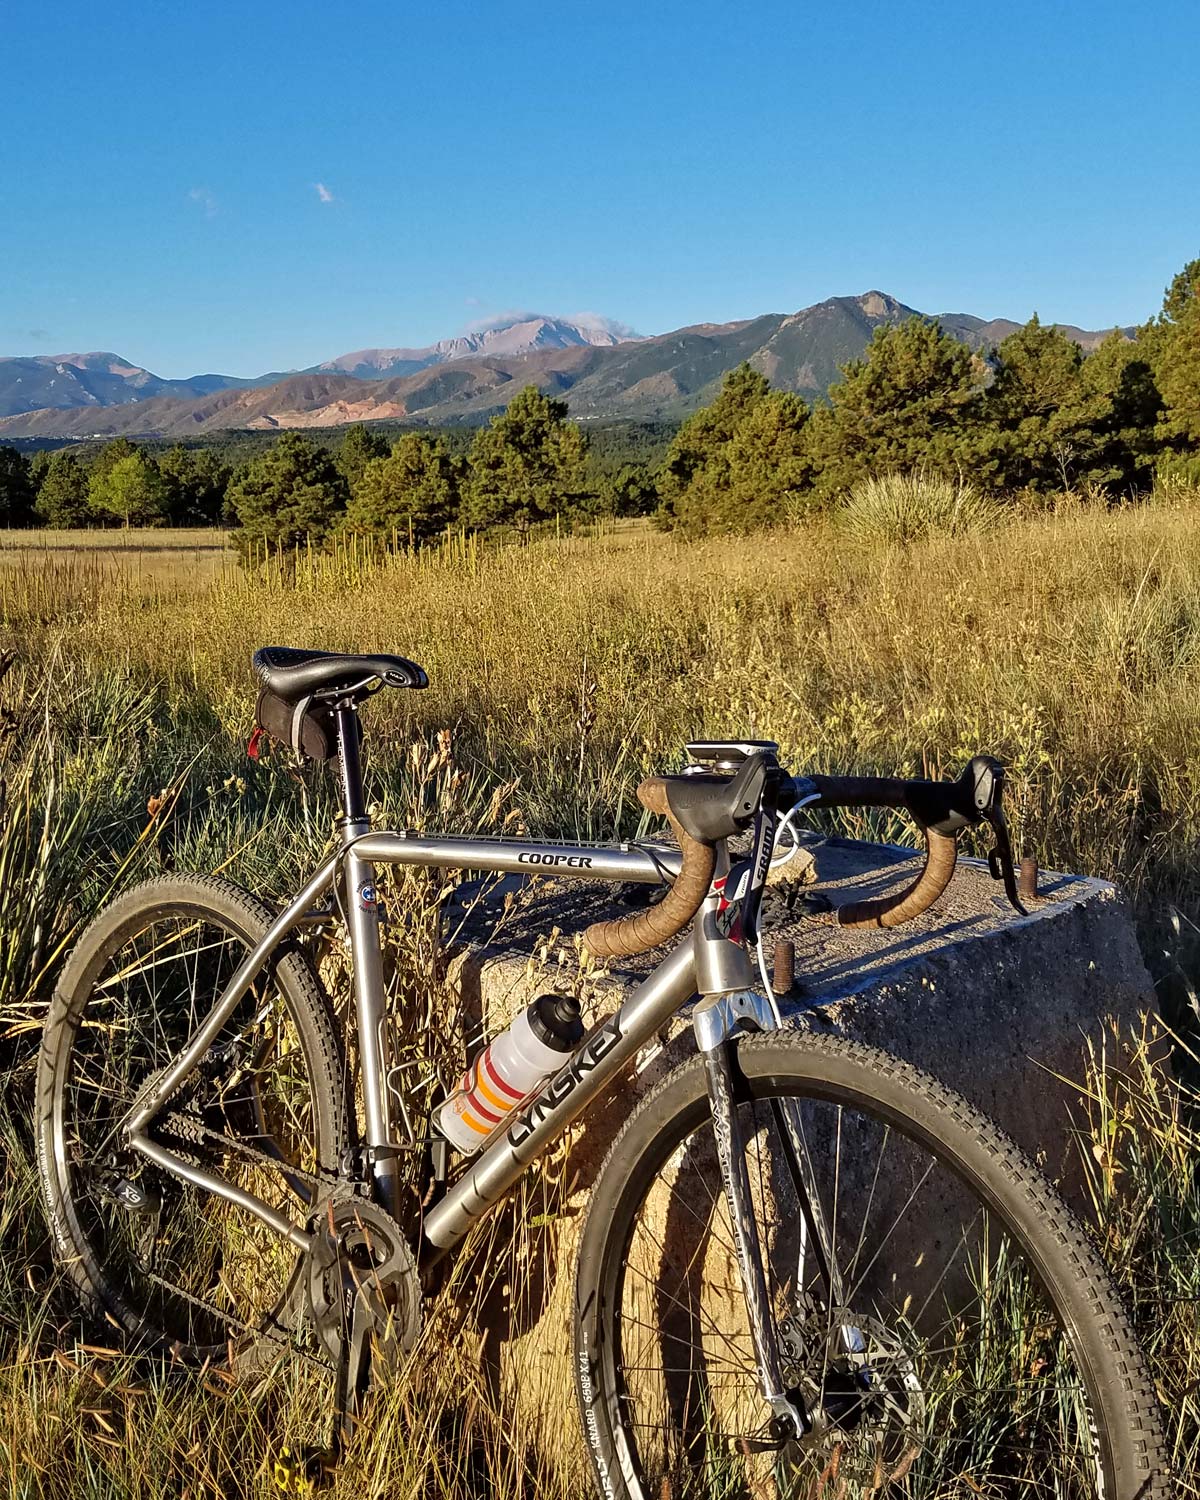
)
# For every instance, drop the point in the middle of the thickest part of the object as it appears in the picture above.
(709, 965)
(706, 964)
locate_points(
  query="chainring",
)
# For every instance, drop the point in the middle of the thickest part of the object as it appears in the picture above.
(361, 1261)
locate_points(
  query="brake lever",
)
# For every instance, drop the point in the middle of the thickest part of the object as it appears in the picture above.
(759, 862)
(1000, 859)
(984, 779)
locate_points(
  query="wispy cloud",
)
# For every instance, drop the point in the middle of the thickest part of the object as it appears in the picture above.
(323, 192)
(607, 325)
(501, 319)
(207, 200)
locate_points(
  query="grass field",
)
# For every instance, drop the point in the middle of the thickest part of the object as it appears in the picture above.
(1068, 644)
(40, 569)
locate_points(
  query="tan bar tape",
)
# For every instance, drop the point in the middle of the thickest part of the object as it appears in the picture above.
(625, 936)
(889, 911)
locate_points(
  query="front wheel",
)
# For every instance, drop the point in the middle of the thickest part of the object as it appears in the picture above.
(977, 1347)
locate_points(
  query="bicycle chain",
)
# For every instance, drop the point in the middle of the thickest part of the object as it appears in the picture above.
(193, 1131)
(265, 1335)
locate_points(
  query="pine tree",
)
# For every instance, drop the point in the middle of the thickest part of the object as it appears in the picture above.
(1181, 295)
(632, 491)
(1120, 374)
(1170, 345)
(1179, 380)
(528, 465)
(698, 447)
(1040, 420)
(770, 472)
(412, 494)
(16, 489)
(291, 493)
(910, 402)
(62, 498)
(1178, 366)
(360, 445)
(741, 462)
(196, 481)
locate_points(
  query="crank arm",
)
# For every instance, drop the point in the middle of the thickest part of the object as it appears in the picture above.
(353, 1376)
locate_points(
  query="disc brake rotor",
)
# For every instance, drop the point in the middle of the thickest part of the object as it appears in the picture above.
(864, 1397)
(361, 1262)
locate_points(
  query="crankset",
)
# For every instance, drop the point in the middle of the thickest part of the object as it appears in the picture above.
(364, 1295)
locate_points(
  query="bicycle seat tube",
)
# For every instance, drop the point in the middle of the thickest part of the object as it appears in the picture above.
(361, 900)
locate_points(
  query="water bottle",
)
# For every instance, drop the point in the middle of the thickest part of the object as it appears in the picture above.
(508, 1070)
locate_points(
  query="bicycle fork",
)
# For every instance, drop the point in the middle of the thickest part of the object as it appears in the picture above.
(717, 1021)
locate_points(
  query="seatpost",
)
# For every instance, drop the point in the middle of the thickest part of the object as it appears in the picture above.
(350, 765)
(362, 917)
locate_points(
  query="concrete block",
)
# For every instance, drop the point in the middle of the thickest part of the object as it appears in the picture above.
(992, 1002)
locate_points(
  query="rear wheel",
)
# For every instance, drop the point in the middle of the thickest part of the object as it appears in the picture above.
(176, 1267)
(978, 1348)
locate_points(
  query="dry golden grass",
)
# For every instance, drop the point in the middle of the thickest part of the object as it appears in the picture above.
(1068, 644)
(41, 571)
(183, 539)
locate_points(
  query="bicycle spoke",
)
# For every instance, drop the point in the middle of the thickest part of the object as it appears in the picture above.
(198, 1268)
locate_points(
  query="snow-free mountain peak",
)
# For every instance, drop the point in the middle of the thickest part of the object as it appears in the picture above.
(506, 337)
(601, 369)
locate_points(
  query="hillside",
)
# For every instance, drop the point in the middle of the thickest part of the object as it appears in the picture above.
(986, 335)
(601, 376)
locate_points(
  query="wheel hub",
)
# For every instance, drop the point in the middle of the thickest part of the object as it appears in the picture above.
(861, 1390)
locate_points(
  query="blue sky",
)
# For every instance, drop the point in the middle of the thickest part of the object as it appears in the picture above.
(244, 187)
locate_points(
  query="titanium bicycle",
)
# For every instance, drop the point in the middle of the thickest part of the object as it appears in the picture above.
(807, 1269)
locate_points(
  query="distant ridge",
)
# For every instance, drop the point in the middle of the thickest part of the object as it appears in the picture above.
(601, 369)
(99, 379)
(520, 333)
(88, 381)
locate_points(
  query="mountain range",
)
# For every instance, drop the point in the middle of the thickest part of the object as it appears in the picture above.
(602, 370)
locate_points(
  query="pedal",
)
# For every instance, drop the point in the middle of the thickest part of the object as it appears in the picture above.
(303, 1471)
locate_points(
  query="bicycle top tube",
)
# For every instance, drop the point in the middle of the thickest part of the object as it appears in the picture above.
(644, 864)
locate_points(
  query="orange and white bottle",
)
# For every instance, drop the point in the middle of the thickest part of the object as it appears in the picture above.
(508, 1070)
